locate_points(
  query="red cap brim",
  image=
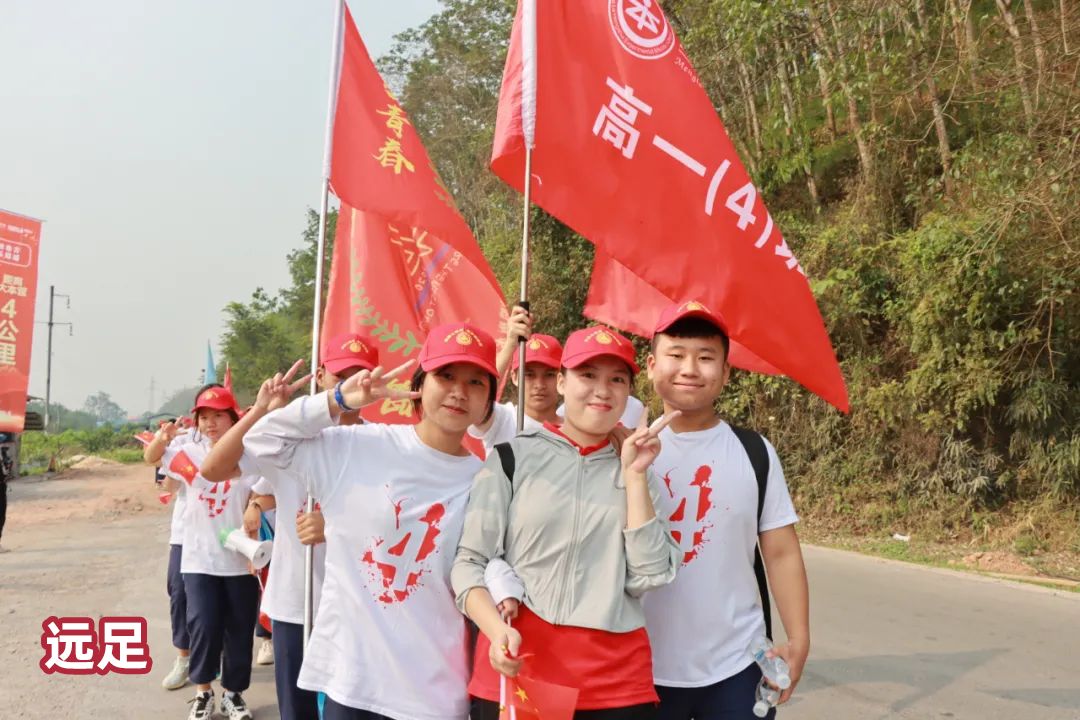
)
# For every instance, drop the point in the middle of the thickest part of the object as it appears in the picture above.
(336, 366)
(582, 358)
(444, 360)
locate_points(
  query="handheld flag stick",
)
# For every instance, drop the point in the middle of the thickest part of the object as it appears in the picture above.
(320, 253)
(528, 126)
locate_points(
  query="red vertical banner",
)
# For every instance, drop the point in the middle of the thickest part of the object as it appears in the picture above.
(19, 238)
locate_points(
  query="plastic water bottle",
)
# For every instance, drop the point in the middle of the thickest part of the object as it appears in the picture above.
(775, 669)
(765, 699)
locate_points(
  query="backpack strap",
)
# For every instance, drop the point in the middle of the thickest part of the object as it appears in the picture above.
(506, 457)
(754, 445)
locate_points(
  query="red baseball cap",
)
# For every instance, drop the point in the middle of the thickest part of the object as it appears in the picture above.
(543, 349)
(458, 342)
(215, 398)
(588, 343)
(689, 309)
(349, 350)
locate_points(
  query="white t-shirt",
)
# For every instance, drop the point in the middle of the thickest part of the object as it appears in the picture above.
(210, 508)
(630, 417)
(503, 426)
(389, 638)
(702, 623)
(283, 599)
(176, 525)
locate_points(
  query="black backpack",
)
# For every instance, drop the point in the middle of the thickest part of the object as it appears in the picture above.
(754, 445)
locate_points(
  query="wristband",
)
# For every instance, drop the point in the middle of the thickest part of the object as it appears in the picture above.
(340, 399)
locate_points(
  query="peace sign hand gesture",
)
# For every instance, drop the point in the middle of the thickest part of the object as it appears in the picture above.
(368, 386)
(276, 391)
(641, 448)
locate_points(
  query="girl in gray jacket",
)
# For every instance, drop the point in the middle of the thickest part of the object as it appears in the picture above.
(577, 522)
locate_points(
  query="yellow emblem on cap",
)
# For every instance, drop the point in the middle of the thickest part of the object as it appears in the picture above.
(209, 395)
(354, 346)
(604, 337)
(464, 336)
(535, 344)
(694, 305)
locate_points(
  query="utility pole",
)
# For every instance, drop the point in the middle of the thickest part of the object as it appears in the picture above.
(150, 410)
(48, 362)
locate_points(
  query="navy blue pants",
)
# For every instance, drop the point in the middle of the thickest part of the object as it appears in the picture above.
(730, 699)
(221, 613)
(174, 583)
(293, 702)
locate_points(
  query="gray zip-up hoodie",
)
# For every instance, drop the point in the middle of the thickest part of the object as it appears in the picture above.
(562, 527)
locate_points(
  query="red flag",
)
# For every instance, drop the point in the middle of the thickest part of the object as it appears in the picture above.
(543, 700)
(404, 259)
(145, 437)
(19, 238)
(631, 154)
(181, 465)
(227, 382)
(392, 284)
(619, 298)
(379, 164)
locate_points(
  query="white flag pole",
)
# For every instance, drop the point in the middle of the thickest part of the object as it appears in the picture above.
(528, 129)
(320, 254)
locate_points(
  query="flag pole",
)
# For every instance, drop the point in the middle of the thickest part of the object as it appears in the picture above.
(528, 130)
(320, 254)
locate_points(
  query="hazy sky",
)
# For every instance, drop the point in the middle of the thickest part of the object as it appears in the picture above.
(173, 148)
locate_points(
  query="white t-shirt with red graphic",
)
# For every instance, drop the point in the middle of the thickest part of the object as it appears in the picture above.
(176, 526)
(209, 509)
(702, 623)
(389, 638)
(283, 599)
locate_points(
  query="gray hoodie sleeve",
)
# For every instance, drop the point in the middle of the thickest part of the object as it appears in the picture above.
(652, 555)
(483, 535)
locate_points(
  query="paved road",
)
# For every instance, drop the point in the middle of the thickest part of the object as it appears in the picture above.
(890, 640)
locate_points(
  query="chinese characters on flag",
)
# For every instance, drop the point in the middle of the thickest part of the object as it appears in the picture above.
(404, 258)
(630, 153)
(19, 238)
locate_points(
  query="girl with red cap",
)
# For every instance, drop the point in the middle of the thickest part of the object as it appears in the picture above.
(388, 641)
(342, 357)
(222, 594)
(576, 521)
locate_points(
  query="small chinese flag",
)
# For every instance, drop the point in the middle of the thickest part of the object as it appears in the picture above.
(227, 382)
(145, 437)
(543, 700)
(182, 466)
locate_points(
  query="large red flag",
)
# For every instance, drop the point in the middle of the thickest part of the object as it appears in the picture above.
(19, 237)
(380, 165)
(393, 283)
(404, 259)
(631, 154)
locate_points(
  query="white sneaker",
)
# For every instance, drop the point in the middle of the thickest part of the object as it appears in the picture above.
(178, 676)
(266, 653)
(234, 707)
(202, 707)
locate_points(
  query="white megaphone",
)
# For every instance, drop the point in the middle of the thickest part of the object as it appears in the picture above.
(258, 552)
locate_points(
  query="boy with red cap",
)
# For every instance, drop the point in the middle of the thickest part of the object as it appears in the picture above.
(726, 498)
(577, 523)
(543, 358)
(343, 356)
(388, 641)
(222, 594)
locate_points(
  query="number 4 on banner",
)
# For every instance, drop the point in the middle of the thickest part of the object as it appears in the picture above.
(8, 309)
